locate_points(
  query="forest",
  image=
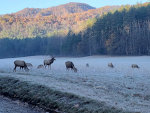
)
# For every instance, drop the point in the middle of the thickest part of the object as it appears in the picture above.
(123, 32)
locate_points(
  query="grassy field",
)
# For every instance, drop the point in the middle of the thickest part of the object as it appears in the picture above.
(51, 100)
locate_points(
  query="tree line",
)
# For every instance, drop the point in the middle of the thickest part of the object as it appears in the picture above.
(123, 32)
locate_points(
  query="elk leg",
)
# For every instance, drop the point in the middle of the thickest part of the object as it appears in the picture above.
(71, 69)
(67, 69)
(15, 68)
(24, 68)
(21, 68)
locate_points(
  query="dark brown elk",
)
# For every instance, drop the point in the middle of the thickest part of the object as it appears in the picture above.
(49, 62)
(70, 65)
(40, 66)
(135, 66)
(110, 65)
(21, 64)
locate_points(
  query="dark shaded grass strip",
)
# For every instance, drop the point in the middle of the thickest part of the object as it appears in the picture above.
(50, 99)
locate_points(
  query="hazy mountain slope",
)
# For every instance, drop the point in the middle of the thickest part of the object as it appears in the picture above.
(58, 20)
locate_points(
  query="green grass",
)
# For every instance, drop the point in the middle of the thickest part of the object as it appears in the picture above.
(50, 99)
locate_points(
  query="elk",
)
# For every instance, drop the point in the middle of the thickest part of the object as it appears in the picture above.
(40, 66)
(70, 65)
(87, 65)
(110, 65)
(49, 62)
(29, 65)
(135, 66)
(21, 64)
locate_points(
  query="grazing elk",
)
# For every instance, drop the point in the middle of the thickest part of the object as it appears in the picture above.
(21, 64)
(110, 65)
(49, 62)
(135, 66)
(70, 65)
(40, 66)
(29, 65)
(87, 65)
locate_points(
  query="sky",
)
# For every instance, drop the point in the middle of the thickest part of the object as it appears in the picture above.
(11, 6)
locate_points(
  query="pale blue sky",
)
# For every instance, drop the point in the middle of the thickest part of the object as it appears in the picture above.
(10, 6)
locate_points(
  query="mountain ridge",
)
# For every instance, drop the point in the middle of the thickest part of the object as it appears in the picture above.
(59, 20)
(69, 8)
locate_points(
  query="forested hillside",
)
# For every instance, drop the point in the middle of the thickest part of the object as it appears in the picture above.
(123, 32)
(31, 23)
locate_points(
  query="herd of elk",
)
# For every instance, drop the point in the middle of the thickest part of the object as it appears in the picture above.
(69, 65)
(133, 65)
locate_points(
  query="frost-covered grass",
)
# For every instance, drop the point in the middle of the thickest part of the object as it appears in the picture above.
(51, 100)
(121, 87)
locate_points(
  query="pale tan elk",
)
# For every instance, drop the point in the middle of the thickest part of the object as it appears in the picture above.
(29, 65)
(135, 66)
(49, 62)
(110, 65)
(21, 64)
(40, 66)
(70, 65)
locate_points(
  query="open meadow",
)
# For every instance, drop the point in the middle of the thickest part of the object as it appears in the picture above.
(122, 86)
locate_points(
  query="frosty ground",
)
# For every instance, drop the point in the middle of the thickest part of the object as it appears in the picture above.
(10, 106)
(121, 86)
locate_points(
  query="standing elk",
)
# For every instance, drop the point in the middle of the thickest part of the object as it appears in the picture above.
(49, 62)
(110, 65)
(21, 64)
(70, 65)
(135, 66)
